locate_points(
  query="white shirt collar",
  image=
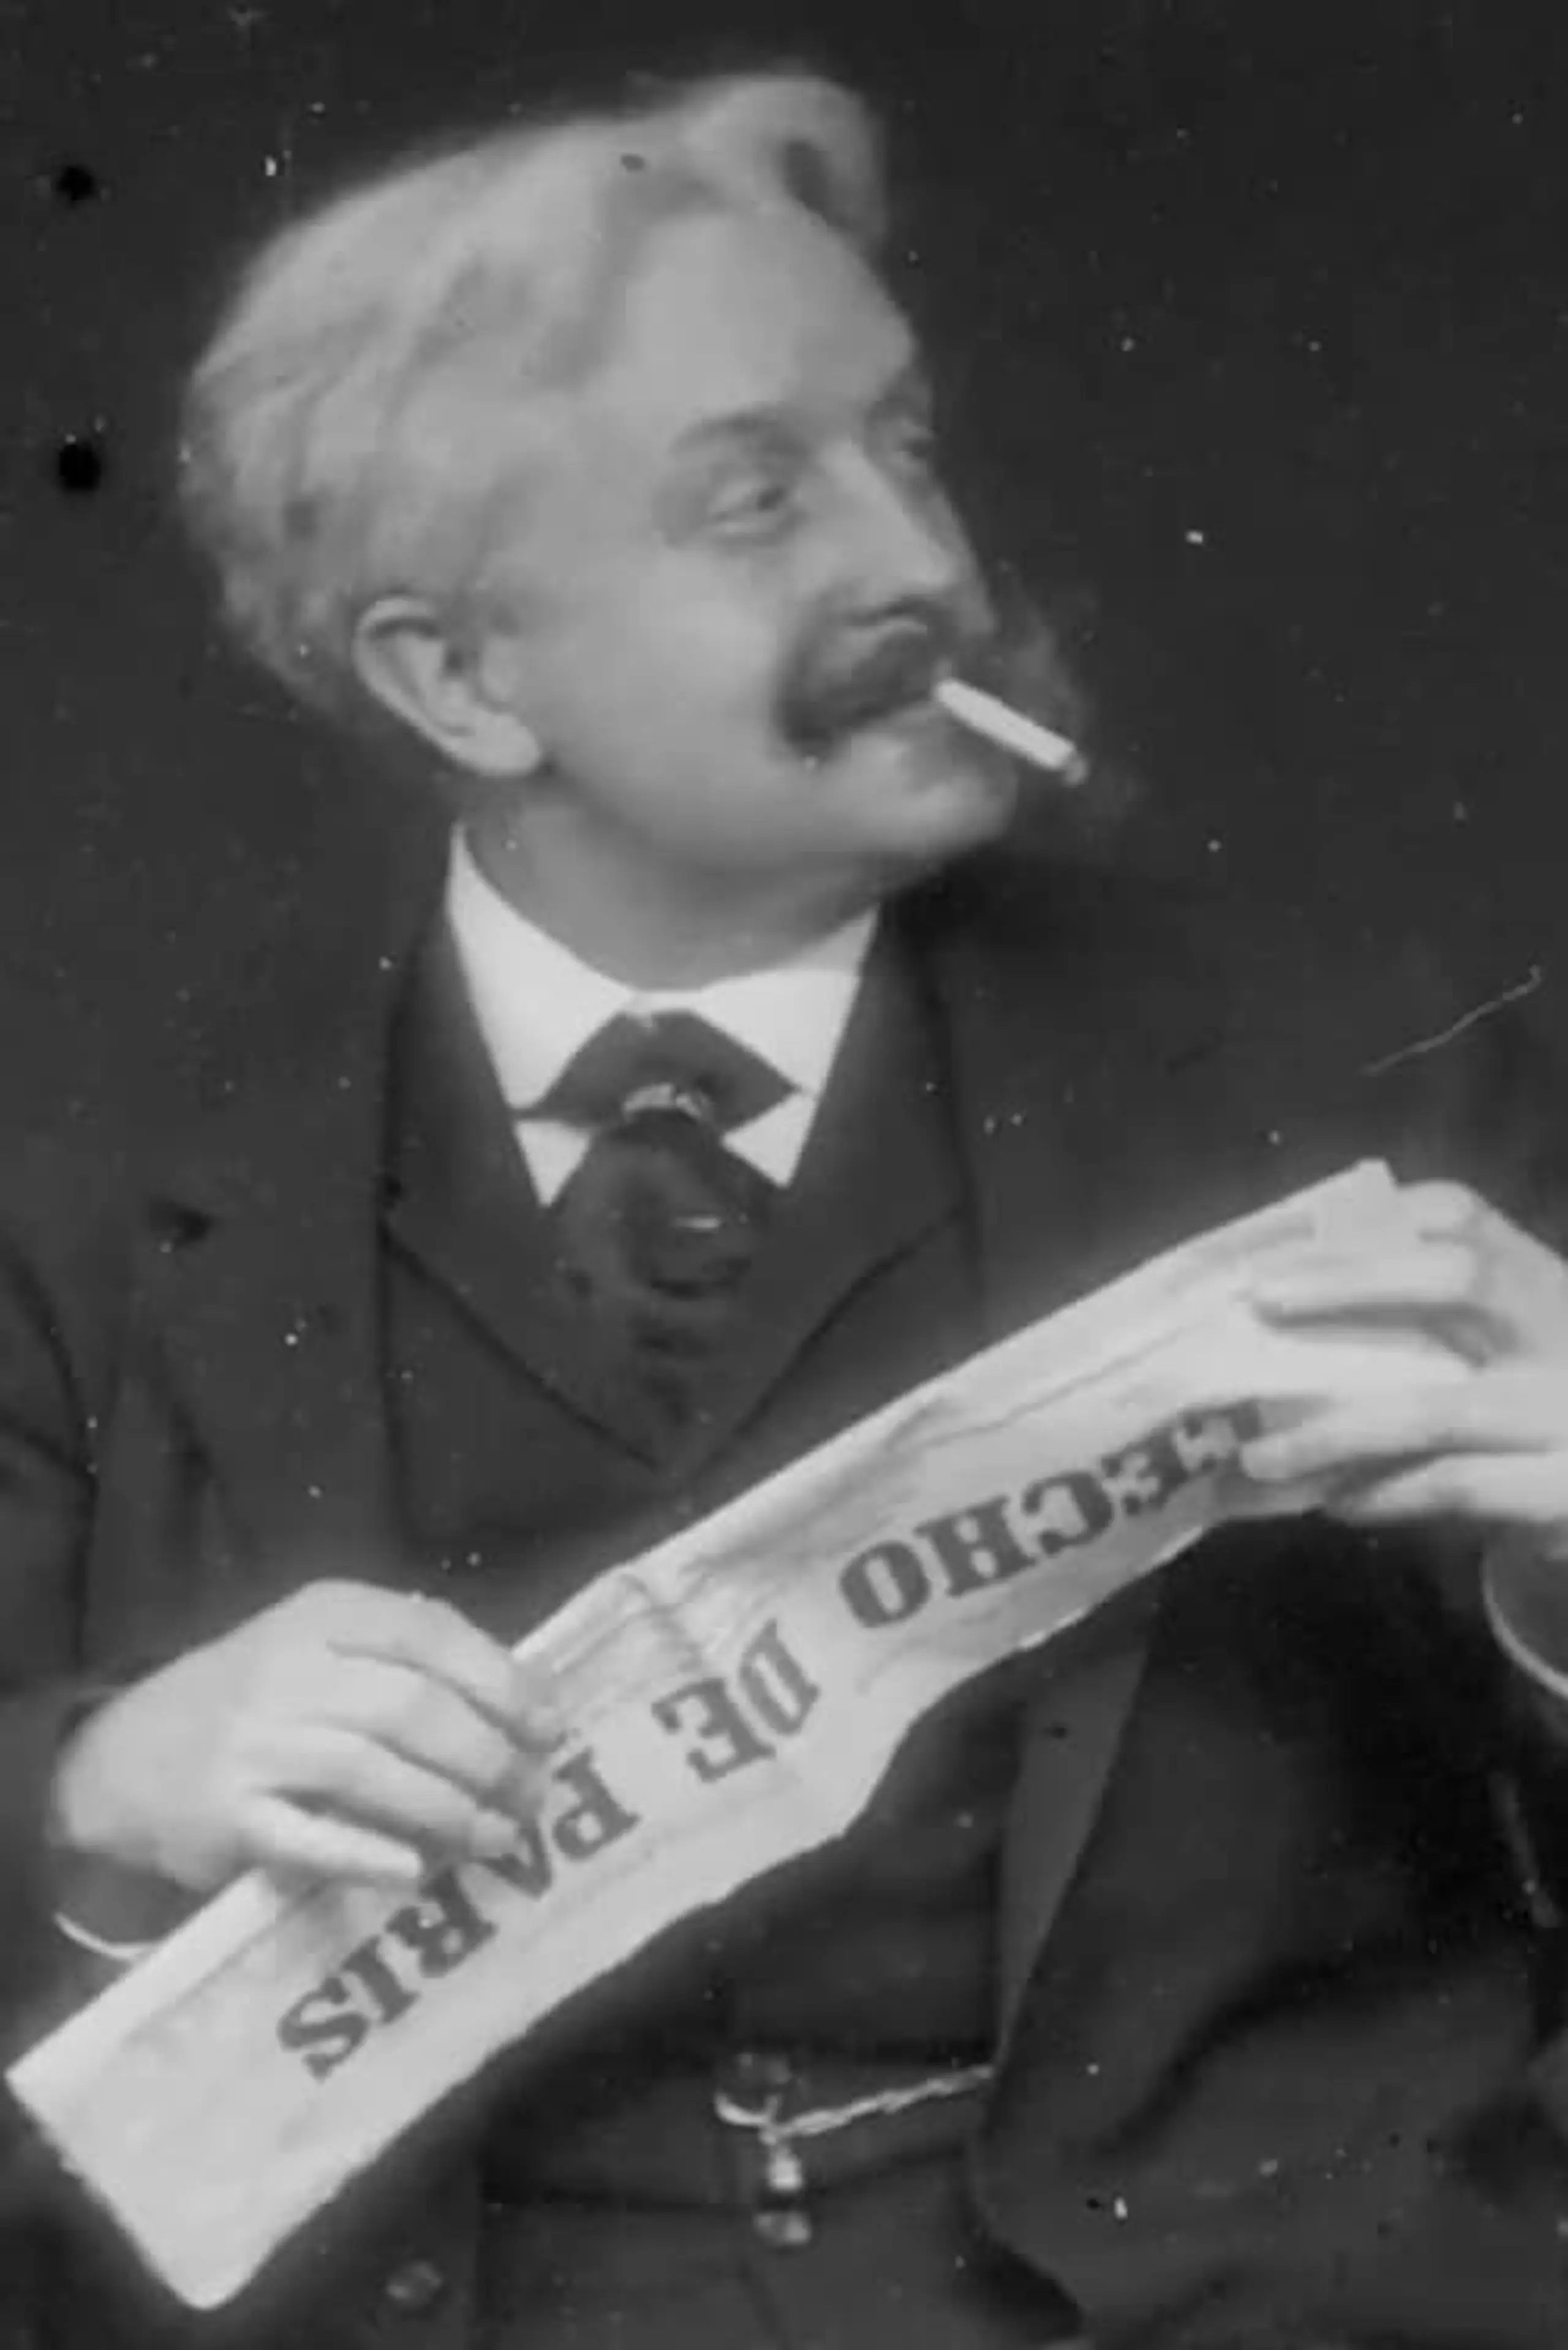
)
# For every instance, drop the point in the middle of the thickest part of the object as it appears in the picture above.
(538, 1004)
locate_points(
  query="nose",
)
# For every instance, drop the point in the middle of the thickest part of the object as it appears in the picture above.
(903, 540)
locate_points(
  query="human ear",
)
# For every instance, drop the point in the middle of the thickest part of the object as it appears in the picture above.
(412, 663)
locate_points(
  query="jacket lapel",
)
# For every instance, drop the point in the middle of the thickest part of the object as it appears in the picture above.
(257, 1282)
(257, 1274)
(461, 1203)
(1071, 1735)
(1084, 1049)
(1081, 1048)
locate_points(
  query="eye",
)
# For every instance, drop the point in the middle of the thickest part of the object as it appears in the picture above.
(754, 505)
(909, 442)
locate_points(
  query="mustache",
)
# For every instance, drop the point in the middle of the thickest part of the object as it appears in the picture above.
(840, 680)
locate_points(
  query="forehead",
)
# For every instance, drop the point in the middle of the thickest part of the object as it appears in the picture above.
(726, 313)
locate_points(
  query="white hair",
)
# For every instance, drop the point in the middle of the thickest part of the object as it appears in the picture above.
(343, 437)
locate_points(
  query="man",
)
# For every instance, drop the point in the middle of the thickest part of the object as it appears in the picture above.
(1188, 1986)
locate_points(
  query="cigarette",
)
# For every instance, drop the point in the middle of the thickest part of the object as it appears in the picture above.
(1026, 737)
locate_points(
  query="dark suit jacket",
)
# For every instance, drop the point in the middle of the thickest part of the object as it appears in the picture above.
(1274, 2000)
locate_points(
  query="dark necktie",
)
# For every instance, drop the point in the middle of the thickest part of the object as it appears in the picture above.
(659, 1223)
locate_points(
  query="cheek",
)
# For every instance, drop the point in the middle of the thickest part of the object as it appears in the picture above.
(723, 611)
(699, 661)
(658, 668)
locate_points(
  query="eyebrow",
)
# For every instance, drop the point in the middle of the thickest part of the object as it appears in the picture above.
(745, 424)
(910, 386)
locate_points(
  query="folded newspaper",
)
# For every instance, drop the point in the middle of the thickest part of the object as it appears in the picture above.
(734, 1696)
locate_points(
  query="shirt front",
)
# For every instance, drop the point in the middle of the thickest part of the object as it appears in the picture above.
(538, 1004)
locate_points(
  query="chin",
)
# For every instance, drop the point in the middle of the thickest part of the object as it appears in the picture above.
(940, 808)
(901, 802)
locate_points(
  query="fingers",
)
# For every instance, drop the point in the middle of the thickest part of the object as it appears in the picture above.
(434, 1639)
(1453, 1211)
(1484, 1490)
(1437, 1275)
(1445, 1211)
(1491, 1451)
(384, 1727)
(292, 1840)
(1498, 1411)
(1460, 1264)
(1489, 1447)
(426, 1723)
(353, 1779)
(347, 1730)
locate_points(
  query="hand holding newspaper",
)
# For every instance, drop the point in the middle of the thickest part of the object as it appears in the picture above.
(735, 1696)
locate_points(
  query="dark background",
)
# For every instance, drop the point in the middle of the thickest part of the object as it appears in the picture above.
(1255, 316)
